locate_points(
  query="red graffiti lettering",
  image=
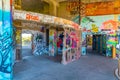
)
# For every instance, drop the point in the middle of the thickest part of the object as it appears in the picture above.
(32, 17)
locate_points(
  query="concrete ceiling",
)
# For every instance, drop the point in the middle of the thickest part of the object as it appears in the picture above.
(46, 6)
(39, 5)
(92, 1)
(86, 1)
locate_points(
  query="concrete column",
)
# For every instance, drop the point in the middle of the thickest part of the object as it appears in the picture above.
(113, 52)
(53, 9)
(119, 66)
(33, 45)
(6, 41)
(18, 44)
(17, 4)
(64, 51)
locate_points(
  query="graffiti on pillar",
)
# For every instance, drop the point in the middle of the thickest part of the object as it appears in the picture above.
(18, 36)
(84, 43)
(118, 46)
(52, 42)
(40, 45)
(111, 41)
(6, 41)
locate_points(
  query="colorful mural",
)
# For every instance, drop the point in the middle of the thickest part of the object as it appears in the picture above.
(52, 42)
(118, 46)
(93, 9)
(89, 40)
(84, 44)
(94, 28)
(111, 41)
(107, 24)
(6, 42)
(118, 33)
(103, 8)
(39, 44)
(94, 23)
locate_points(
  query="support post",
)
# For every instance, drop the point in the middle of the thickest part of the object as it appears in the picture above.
(18, 45)
(113, 52)
(6, 41)
(53, 9)
(119, 67)
(64, 49)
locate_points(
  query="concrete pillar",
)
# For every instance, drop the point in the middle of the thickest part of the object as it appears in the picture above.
(18, 44)
(17, 4)
(6, 41)
(64, 53)
(33, 45)
(53, 9)
(113, 52)
(119, 66)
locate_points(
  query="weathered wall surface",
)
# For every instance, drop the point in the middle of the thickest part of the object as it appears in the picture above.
(35, 6)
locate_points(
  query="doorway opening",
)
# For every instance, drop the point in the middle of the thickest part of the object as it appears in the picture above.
(96, 44)
(47, 37)
(26, 44)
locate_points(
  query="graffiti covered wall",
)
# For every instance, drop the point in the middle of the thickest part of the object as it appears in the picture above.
(103, 8)
(52, 42)
(118, 45)
(90, 23)
(6, 42)
(107, 24)
(38, 41)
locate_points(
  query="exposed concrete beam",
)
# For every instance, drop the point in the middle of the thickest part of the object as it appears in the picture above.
(53, 6)
(53, 2)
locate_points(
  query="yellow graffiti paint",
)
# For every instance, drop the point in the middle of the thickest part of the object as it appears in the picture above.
(18, 36)
(94, 28)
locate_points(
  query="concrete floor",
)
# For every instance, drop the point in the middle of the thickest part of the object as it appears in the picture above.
(89, 67)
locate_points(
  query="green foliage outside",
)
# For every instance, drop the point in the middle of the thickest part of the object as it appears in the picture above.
(26, 40)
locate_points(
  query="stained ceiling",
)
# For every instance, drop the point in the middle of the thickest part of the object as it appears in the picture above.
(86, 1)
(47, 6)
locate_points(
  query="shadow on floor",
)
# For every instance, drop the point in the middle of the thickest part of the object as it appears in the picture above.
(43, 67)
(91, 52)
(26, 51)
(56, 58)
